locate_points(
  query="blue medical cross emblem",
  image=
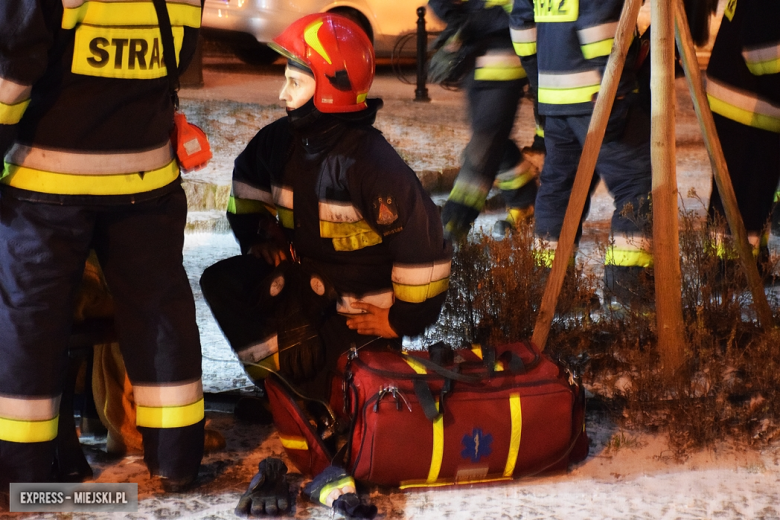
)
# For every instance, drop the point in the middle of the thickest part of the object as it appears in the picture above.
(476, 445)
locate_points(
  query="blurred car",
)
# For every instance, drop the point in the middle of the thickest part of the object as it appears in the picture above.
(253, 23)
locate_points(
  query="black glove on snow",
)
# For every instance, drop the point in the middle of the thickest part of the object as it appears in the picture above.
(268, 492)
(335, 488)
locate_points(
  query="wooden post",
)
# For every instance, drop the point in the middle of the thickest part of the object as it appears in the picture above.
(585, 169)
(719, 167)
(666, 244)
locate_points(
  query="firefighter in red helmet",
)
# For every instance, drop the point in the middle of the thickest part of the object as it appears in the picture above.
(340, 244)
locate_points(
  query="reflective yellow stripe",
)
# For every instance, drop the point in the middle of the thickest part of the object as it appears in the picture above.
(12, 430)
(567, 96)
(594, 50)
(408, 484)
(421, 274)
(420, 293)
(524, 49)
(628, 257)
(169, 416)
(731, 7)
(416, 365)
(243, 206)
(742, 107)
(258, 371)
(310, 37)
(356, 241)
(328, 488)
(285, 217)
(740, 115)
(68, 184)
(345, 229)
(12, 114)
(499, 74)
(763, 60)
(516, 181)
(556, 10)
(293, 443)
(438, 448)
(539, 131)
(516, 415)
(128, 13)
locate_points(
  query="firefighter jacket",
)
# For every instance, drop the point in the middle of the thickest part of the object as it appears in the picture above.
(485, 29)
(350, 205)
(84, 89)
(564, 45)
(743, 75)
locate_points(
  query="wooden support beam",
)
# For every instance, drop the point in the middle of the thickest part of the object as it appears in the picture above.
(719, 167)
(585, 169)
(666, 240)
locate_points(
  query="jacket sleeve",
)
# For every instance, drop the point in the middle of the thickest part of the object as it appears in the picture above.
(522, 29)
(408, 221)
(596, 27)
(761, 38)
(251, 211)
(27, 27)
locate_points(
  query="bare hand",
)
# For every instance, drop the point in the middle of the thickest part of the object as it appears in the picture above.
(375, 322)
(268, 251)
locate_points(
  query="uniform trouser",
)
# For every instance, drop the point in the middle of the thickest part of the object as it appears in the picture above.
(492, 107)
(43, 248)
(753, 159)
(232, 289)
(623, 164)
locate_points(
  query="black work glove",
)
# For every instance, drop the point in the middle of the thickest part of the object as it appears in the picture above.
(268, 492)
(335, 488)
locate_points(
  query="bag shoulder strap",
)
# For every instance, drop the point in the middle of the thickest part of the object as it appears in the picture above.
(169, 50)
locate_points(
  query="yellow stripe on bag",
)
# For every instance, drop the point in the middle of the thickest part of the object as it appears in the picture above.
(516, 415)
(169, 416)
(438, 448)
(12, 430)
(293, 443)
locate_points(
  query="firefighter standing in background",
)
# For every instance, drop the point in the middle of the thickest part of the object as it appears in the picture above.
(564, 46)
(743, 89)
(85, 119)
(366, 258)
(493, 88)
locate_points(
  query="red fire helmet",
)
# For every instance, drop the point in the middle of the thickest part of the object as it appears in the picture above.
(340, 55)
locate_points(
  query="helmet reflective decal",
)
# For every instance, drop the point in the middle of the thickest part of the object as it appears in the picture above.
(310, 37)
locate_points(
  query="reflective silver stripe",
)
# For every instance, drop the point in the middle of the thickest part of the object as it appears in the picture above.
(171, 394)
(597, 33)
(754, 239)
(503, 59)
(383, 300)
(544, 245)
(523, 35)
(572, 80)
(283, 196)
(332, 211)
(626, 243)
(759, 54)
(89, 163)
(12, 93)
(243, 190)
(420, 274)
(29, 408)
(741, 99)
(260, 351)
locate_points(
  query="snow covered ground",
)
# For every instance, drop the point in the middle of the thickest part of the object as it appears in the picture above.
(627, 474)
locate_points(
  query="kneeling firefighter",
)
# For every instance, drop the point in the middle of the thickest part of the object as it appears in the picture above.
(341, 245)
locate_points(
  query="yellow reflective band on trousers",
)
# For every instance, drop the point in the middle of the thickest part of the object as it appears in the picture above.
(567, 96)
(746, 117)
(293, 442)
(764, 67)
(169, 416)
(594, 50)
(497, 73)
(420, 293)
(516, 419)
(238, 206)
(129, 14)
(349, 236)
(15, 430)
(12, 114)
(516, 182)
(525, 49)
(628, 257)
(417, 283)
(437, 454)
(742, 107)
(69, 184)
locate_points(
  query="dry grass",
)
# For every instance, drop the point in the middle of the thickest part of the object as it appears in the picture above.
(729, 386)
